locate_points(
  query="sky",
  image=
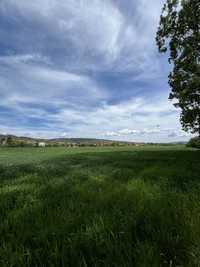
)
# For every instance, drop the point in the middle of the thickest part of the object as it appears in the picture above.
(85, 68)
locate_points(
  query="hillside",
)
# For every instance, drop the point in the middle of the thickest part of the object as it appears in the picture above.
(12, 140)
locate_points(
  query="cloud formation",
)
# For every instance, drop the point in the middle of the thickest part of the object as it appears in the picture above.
(84, 68)
(78, 34)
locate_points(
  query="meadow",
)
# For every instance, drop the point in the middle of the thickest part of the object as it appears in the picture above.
(100, 207)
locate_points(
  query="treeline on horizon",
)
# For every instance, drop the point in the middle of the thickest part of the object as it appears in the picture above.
(12, 141)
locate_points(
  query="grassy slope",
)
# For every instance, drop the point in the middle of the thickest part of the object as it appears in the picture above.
(79, 207)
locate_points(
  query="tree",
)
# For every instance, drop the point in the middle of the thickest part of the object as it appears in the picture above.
(194, 142)
(10, 141)
(179, 33)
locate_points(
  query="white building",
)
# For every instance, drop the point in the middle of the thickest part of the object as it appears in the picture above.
(41, 144)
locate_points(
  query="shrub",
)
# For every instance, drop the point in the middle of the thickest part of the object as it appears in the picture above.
(194, 142)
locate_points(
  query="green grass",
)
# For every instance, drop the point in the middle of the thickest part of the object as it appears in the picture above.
(100, 207)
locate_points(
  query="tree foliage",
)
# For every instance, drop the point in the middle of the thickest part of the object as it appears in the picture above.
(179, 34)
(194, 142)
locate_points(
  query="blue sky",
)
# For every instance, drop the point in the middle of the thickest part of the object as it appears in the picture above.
(84, 68)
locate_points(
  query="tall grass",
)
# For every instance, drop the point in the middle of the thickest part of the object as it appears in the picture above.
(128, 208)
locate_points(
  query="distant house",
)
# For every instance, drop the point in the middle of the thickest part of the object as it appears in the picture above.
(73, 144)
(41, 144)
(4, 141)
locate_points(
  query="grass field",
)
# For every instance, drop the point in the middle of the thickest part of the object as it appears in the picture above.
(100, 207)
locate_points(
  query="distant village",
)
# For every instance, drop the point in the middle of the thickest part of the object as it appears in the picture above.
(14, 141)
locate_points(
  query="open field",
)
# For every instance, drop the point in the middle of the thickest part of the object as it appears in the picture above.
(120, 206)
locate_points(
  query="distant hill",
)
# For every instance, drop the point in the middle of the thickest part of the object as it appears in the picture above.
(12, 140)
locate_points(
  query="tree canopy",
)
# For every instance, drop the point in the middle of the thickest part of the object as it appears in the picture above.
(179, 35)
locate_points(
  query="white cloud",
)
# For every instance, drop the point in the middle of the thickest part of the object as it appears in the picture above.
(87, 35)
(69, 104)
(115, 120)
(59, 56)
(171, 133)
(29, 82)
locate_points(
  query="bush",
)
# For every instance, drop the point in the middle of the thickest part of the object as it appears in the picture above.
(194, 142)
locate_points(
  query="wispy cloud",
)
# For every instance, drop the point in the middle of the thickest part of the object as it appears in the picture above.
(83, 35)
(84, 68)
